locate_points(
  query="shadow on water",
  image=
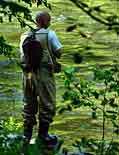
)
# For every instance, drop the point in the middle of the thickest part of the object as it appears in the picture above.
(98, 58)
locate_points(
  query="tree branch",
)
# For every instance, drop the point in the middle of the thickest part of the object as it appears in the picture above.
(89, 11)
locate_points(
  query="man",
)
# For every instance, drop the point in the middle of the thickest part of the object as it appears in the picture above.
(42, 97)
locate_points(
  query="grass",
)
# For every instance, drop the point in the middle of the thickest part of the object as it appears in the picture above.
(103, 51)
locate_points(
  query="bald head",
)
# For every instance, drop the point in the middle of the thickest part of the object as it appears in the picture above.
(43, 19)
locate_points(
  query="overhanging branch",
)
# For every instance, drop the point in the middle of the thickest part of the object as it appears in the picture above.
(89, 11)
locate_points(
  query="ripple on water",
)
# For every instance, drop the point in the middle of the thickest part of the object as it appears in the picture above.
(10, 82)
(13, 97)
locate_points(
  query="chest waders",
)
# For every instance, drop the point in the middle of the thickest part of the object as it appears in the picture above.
(40, 97)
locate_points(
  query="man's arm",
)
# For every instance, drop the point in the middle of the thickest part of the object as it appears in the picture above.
(56, 45)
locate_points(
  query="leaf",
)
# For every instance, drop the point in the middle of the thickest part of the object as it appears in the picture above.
(96, 94)
(39, 2)
(49, 6)
(61, 110)
(111, 101)
(10, 18)
(69, 70)
(97, 8)
(98, 74)
(67, 83)
(83, 84)
(110, 116)
(109, 28)
(87, 47)
(112, 104)
(113, 86)
(77, 58)
(116, 131)
(5, 48)
(115, 124)
(1, 127)
(102, 92)
(84, 36)
(1, 19)
(69, 73)
(108, 75)
(71, 27)
(45, 3)
(87, 103)
(94, 115)
(104, 102)
(112, 18)
(76, 102)
(66, 95)
(28, 2)
(84, 4)
(69, 107)
(23, 24)
(111, 112)
(115, 68)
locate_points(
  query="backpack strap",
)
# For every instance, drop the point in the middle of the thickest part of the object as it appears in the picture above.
(33, 31)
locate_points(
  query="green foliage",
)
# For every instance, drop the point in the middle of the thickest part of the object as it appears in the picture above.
(98, 13)
(12, 125)
(12, 141)
(5, 49)
(20, 12)
(94, 147)
(38, 2)
(100, 94)
(12, 9)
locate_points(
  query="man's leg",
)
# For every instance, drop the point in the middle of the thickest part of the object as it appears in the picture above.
(29, 109)
(47, 109)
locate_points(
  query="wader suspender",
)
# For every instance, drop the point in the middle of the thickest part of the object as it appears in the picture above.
(49, 51)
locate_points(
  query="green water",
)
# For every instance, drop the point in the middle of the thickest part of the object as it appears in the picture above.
(103, 51)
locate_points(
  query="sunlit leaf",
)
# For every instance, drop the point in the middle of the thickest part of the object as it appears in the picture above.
(96, 94)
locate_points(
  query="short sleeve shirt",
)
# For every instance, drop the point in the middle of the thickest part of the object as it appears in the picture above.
(53, 41)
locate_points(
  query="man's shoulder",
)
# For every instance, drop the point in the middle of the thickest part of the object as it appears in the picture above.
(43, 30)
(25, 35)
(51, 31)
(52, 34)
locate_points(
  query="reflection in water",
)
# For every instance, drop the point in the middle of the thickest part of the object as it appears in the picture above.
(10, 85)
(10, 89)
